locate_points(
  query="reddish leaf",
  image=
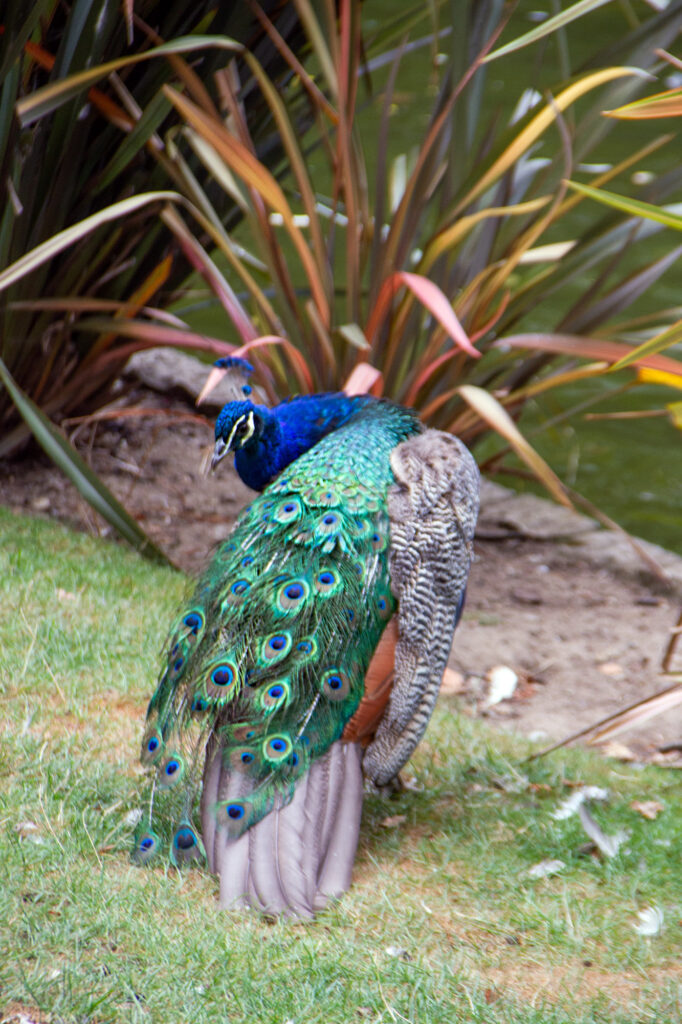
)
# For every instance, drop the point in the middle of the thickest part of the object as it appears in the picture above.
(430, 296)
(297, 361)
(364, 380)
(588, 348)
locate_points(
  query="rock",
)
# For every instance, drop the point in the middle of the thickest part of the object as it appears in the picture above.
(531, 517)
(539, 519)
(171, 372)
(613, 551)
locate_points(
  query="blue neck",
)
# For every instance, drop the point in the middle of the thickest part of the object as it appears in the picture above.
(289, 430)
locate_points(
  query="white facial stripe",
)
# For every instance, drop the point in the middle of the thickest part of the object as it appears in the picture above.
(248, 419)
(228, 443)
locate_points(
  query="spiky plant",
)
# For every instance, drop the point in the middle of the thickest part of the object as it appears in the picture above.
(100, 144)
(463, 290)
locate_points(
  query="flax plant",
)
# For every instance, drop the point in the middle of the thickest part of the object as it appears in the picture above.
(476, 282)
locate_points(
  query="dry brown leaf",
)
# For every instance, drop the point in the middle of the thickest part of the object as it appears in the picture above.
(18, 1013)
(618, 751)
(647, 808)
(667, 758)
(453, 682)
(633, 715)
(394, 821)
(29, 830)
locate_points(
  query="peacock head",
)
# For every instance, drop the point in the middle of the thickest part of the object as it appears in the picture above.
(239, 425)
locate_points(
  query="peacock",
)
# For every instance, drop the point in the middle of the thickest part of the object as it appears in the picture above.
(309, 655)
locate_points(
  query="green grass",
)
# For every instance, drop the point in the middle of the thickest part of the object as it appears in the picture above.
(85, 937)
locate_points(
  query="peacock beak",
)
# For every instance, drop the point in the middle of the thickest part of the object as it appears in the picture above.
(219, 452)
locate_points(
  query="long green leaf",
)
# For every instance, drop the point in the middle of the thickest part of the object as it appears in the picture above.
(450, 236)
(622, 296)
(46, 250)
(546, 28)
(151, 334)
(152, 117)
(540, 123)
(79, 473)
(217, 169)
(318, 42)
(661, 341)
(44, 101)
(635, 207)
(202, 262)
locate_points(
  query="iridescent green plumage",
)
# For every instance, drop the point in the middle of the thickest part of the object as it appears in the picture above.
(269, 657)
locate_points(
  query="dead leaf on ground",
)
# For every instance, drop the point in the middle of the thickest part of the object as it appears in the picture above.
(394, 821)
(618, 751)
(647, 808)
(546, 868)
(17, 1013)
(527, 688)
(453, 682)
(667, 758)
(29, 830)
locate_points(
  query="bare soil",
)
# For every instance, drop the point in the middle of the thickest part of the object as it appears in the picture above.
(583, 641)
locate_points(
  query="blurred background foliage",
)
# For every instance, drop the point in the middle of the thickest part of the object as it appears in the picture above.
(340, 231)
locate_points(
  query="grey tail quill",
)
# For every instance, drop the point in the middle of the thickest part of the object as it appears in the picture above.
(300, 856)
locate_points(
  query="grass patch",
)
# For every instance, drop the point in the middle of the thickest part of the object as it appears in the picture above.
(442, 923)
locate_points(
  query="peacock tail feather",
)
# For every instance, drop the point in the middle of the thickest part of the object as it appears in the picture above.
(268, 657)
